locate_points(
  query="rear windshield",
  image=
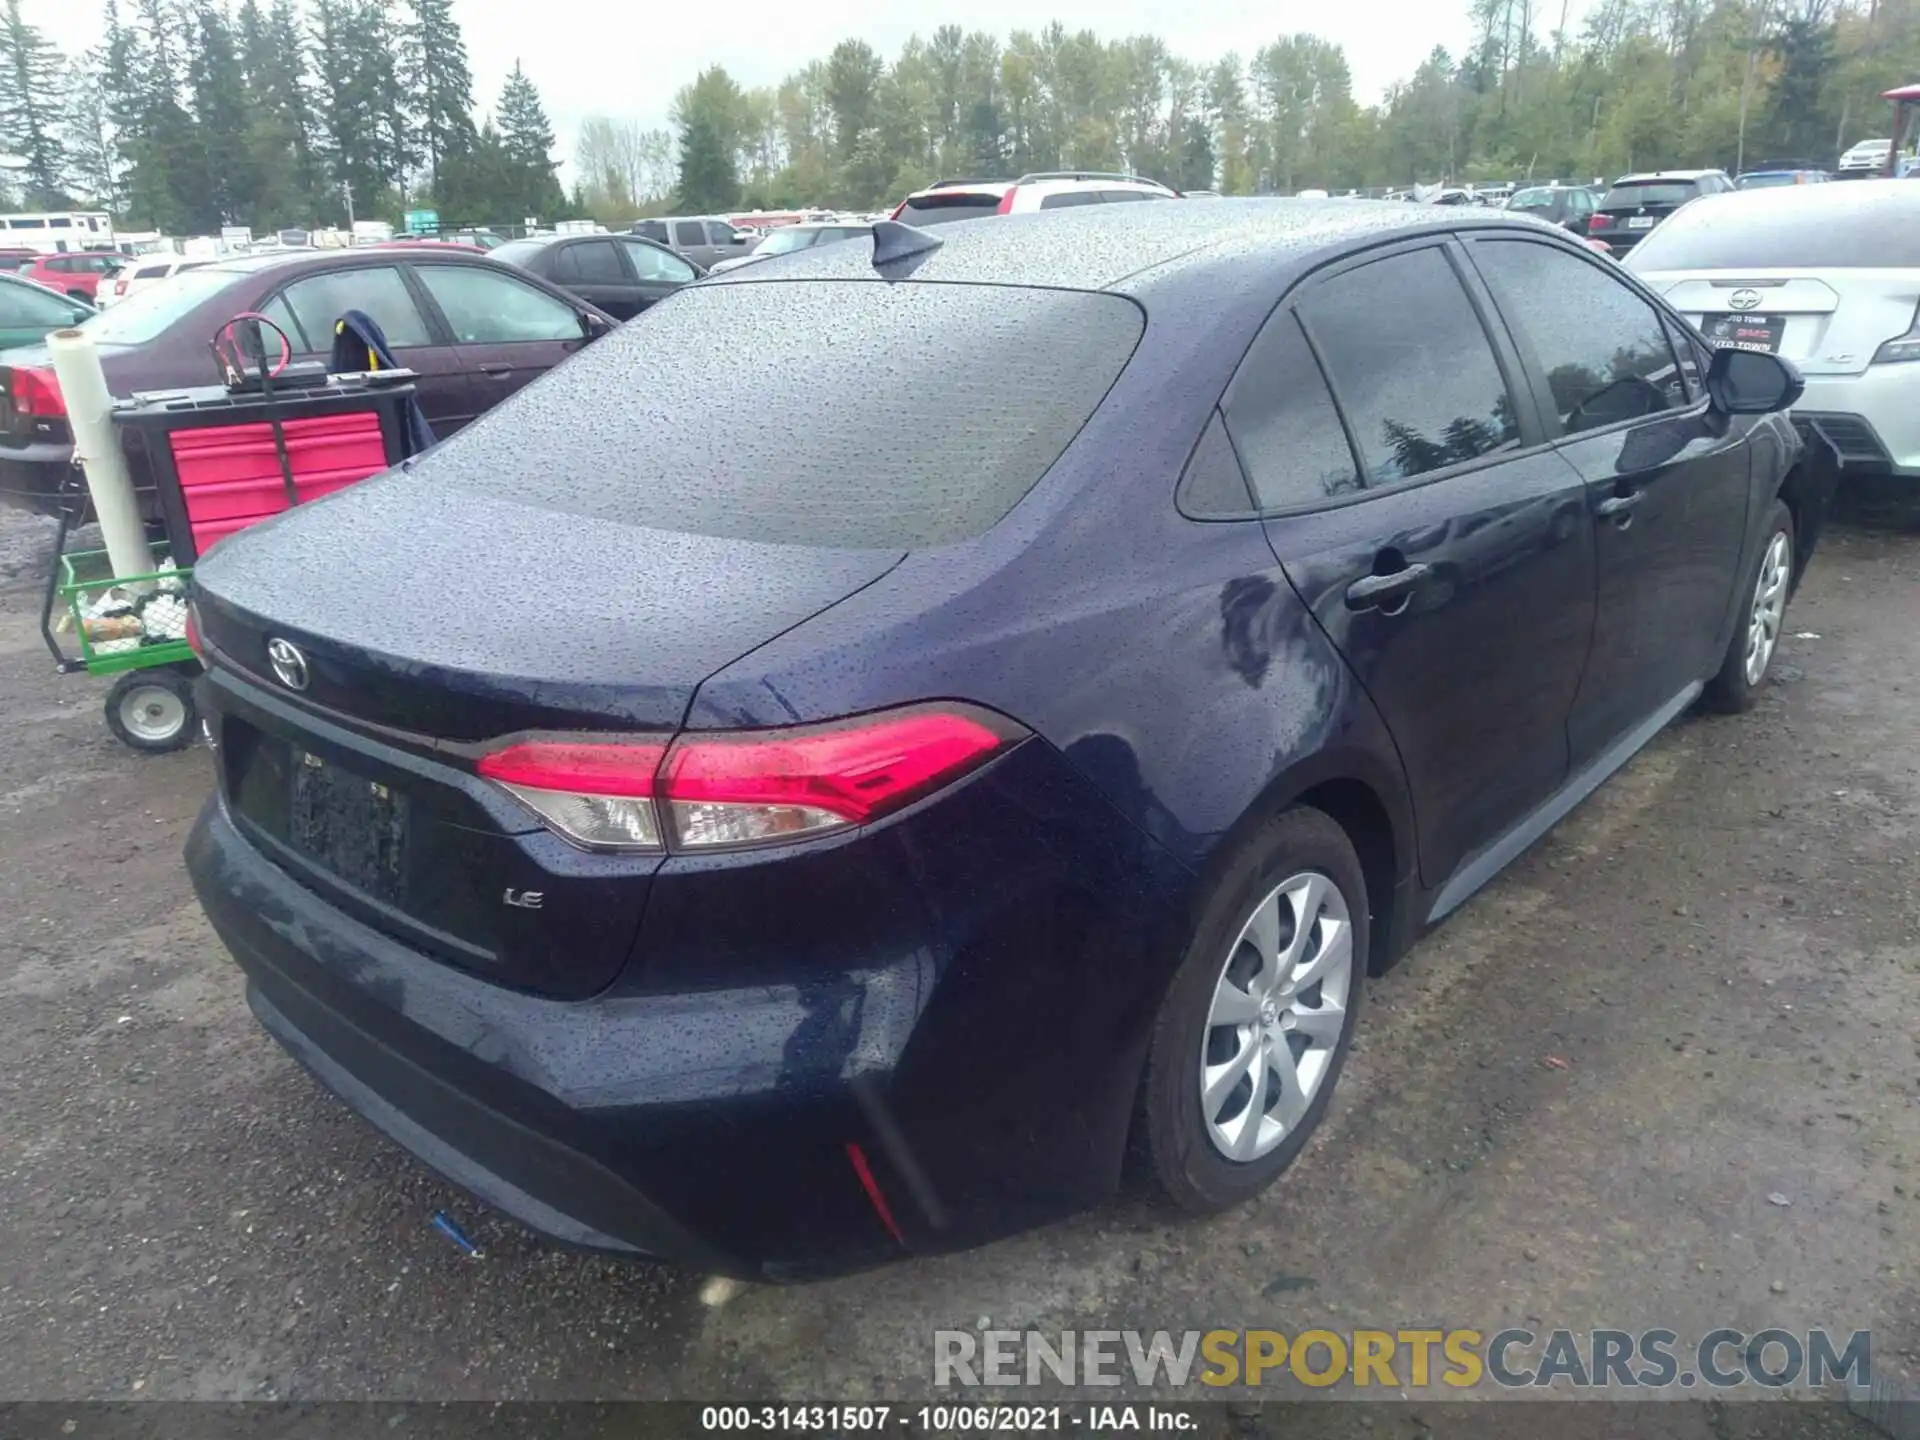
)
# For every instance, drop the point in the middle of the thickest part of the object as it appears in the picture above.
(1814, 228)
(939, 209)
(1664, 192)
(144, 314)
(1537, 199)
(1767, 179)
(866, 414)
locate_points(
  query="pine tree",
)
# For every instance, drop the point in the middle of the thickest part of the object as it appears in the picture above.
(439, 85)
(218, 184)
(31, 72)
(93, 165)
(157, 139)
(527, 138)
(279, 144)
(357, 142)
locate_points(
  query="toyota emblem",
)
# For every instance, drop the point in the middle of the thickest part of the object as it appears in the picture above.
(1744, 299)
(289, 665)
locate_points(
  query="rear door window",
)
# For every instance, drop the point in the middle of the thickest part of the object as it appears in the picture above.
(937, 408)
(595, 262)
(1411, 366)
(318, 301)
(1283, 423)
(1066, 199)
(689, 232)
(651, 230)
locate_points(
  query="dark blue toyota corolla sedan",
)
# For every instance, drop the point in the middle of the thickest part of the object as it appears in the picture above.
(788, 813)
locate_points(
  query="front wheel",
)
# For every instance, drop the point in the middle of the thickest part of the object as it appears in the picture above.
(1255, 1027)
(1755, 639)
(153, 710)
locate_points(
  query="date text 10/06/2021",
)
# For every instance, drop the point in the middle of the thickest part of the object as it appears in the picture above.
(840, 1419)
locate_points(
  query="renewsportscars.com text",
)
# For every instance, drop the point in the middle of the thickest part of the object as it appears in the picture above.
(1598, 1359)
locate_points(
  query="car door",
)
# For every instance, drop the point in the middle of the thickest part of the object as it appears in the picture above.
(724, 243)
(593, 270)
(1666, 478)
(657, 272)
(309, 307)
(1446, 552)
(506, 331)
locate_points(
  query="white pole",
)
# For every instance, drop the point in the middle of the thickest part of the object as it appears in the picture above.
(96, 447)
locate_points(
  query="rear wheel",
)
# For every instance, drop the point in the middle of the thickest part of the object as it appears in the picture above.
(153, 710)
(1757, 636)
(1256, 1025)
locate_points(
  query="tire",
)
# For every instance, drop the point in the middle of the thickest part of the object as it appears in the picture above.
(1184, 1149)
(153, 711)
(1756, 637)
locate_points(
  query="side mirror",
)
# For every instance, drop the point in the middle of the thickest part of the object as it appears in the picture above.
(593, 326)
(1751, 382)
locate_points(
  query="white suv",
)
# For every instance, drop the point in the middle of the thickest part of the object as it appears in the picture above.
(949, 200)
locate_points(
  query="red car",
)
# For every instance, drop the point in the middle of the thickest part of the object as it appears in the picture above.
(78, 275)
(472, 329)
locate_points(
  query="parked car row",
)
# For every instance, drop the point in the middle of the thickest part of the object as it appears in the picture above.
(475, 331)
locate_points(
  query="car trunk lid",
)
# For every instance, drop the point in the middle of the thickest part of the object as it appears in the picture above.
(421, 644)
(1827, 324)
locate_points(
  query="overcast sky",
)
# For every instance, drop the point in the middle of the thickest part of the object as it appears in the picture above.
(606, 57)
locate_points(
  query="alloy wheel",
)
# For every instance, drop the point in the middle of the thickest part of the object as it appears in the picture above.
(1769, 605)
(1279, 1009)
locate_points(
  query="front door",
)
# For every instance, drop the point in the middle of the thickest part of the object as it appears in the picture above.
(1666, 478)
(506, 331)
(1446, 554)
(657, 272)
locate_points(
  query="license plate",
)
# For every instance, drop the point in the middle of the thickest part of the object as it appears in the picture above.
(1745, 332)
(1639, 222)
(347, 824)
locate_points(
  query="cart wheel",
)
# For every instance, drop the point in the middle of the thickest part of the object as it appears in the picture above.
(153, 710)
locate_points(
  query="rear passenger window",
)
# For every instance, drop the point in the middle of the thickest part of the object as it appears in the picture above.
(1603, 348)
(689, 232)
(651, 230)
(1411, 366)
(1067, 198)
(1283, 422)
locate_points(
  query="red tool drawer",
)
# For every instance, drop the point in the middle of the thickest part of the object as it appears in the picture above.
(230, 474)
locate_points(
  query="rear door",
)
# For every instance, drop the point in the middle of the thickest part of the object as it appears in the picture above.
(656, 272)
(1667, 483)
(1444, 549)
(593, 270)
(506, 331)
(309, 307)
(690, 239)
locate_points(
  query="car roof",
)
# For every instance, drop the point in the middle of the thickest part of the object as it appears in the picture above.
(292, 258)
(1135, 248)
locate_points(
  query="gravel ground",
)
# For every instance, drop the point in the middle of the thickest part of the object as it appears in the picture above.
(1720, 953)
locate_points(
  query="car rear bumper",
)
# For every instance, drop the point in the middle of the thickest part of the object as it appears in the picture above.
(31, 476)
(981, 1076)
(1873, 418)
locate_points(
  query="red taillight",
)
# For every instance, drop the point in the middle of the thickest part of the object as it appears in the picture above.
(1005, 207)
(1600, 221)
(119, 287)
(36, 392)
(193, 634)
(898, 210)
(745, 787)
